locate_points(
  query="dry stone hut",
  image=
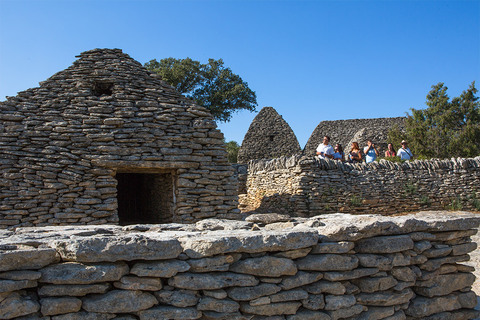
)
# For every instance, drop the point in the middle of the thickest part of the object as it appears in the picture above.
(347, 131)
(269, 136)
(105, 141)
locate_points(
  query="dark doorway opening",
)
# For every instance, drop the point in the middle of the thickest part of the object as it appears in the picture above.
(145, 198)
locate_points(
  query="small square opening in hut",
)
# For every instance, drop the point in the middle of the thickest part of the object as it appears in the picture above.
(145, 198)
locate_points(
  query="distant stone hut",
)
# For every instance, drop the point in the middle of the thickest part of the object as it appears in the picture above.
(269, 136)
(105, 141)
(360, 130)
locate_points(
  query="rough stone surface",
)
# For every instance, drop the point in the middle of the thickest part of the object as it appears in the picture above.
(269, 136)
(66, 140)
(316, 267)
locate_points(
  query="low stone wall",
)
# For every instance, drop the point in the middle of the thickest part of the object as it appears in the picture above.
(308, 186)
(271, 266)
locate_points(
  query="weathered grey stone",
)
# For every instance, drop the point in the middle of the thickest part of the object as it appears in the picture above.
(374, 261)
(399, 315)
(333, 247)
(212, 315)
(266, 218)
(404, 274)
(385, 244)
(338, 302)
(293, 254)
(221, 242)
(434, 264)
(211, 304)
(463, 249)
(126, 247)
(290, 295)
(300, 279)
(217, 294)
(27, 259)
(326, 287)
(212, 281)
(328, 262)
(376, 313)
(160, 269)
(219, 263)
(443, 285)
(454, 234)
(21, 275)
(314, 302)
(421, 246)
(73, 290)
(265, 266)
(79, 273)
(346, 312)
(421, 307)
(374, 284)
(309, 315)
(138, 283)
(271, 309)
(83, 315)
(119, 301)
(437, 252)
(16, 305)
(348, 275)
(167, 312)
(385, 299)
(177, 298)
(14, 285)
(54, 306)
(251, 293)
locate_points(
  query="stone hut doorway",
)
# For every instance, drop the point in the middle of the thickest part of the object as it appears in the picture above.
(145, 198)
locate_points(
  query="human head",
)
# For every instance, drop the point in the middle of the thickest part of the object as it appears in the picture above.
(355, 145)
(326, 140)
(338, 147)
(404, 143)
(390, 146)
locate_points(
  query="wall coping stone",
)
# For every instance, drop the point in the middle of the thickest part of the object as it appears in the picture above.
(157, 242)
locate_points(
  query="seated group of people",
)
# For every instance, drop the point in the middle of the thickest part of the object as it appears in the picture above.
(369, 154)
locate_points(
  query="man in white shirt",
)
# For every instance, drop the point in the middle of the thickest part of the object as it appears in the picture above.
(324, 150)
(404, 152)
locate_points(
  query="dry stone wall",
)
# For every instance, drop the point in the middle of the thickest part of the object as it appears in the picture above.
(267, 267)
(359, 130)
(62, 145)
(309, 186)
(269, 136)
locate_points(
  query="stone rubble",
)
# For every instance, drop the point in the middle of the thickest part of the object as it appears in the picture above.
(334, 266)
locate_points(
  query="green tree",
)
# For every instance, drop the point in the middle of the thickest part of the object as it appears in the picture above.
(211, 85)
(446, 128)
(232, 150)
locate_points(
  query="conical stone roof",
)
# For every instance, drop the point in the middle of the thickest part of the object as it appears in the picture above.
(269, 136)
(64, 142)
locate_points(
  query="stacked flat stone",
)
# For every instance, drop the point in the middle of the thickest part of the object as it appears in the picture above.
(63, 143)
(308, 186)
(268, 267)
(269, 136)
(359, 130)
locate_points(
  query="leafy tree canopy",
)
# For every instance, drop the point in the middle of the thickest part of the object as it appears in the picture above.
(211, 85)
(446, 128)
(232, 150)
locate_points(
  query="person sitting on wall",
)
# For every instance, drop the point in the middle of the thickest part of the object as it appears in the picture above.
(404, 152)
(370, 151)
(355, 154)
(324, 150)
(390, 152)
(339, 154)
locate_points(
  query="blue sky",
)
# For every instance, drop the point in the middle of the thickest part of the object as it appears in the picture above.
(310, 60)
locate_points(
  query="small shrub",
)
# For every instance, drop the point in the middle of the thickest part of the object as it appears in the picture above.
(410, 188)
(355, 200)
(425, 200)
(456, 204)
(476, 204)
